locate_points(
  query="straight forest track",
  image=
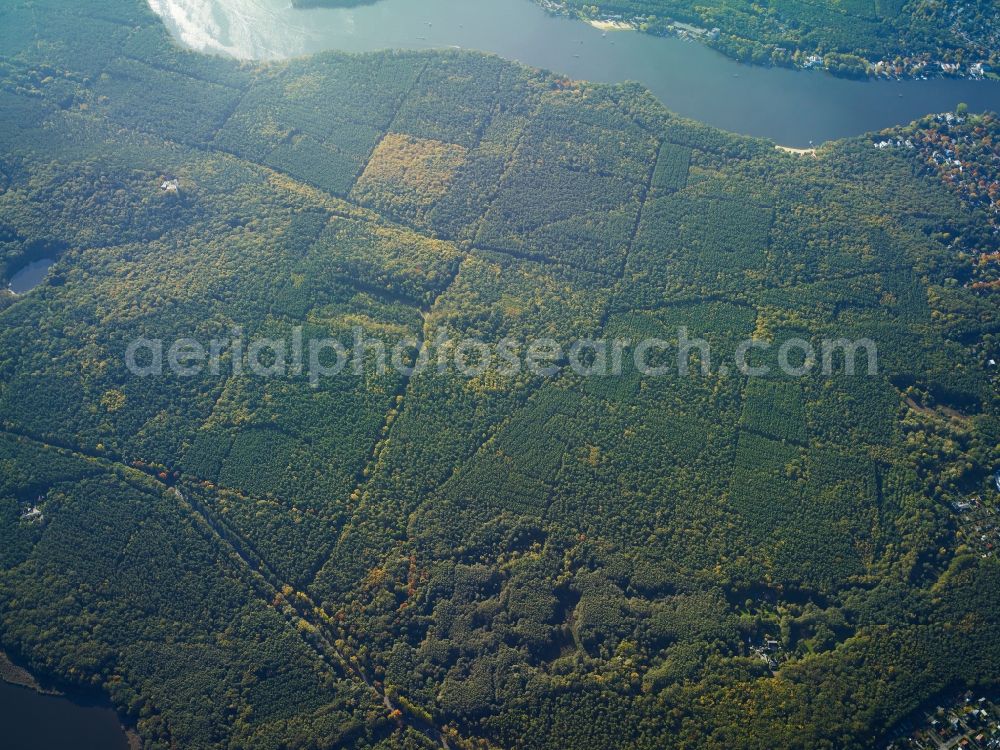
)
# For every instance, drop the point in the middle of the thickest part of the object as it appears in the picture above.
(262, 579)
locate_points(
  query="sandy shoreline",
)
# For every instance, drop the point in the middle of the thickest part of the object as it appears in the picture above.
(799, 151)
(612, 25)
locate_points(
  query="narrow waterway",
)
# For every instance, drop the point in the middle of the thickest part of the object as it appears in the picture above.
(792, 107)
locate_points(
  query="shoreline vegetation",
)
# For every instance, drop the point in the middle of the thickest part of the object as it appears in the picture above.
(13, 674)
(961, 62)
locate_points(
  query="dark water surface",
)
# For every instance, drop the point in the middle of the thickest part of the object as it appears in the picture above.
(31, 721)
(30, 276)
(792, 107)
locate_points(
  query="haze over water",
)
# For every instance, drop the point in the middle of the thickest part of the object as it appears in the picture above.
(792, 107)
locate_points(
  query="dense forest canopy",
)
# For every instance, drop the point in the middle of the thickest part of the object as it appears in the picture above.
(384, 560)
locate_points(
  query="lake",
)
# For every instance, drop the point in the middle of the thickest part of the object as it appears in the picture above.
(30, 276)
(792, 107)
(32, 721)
